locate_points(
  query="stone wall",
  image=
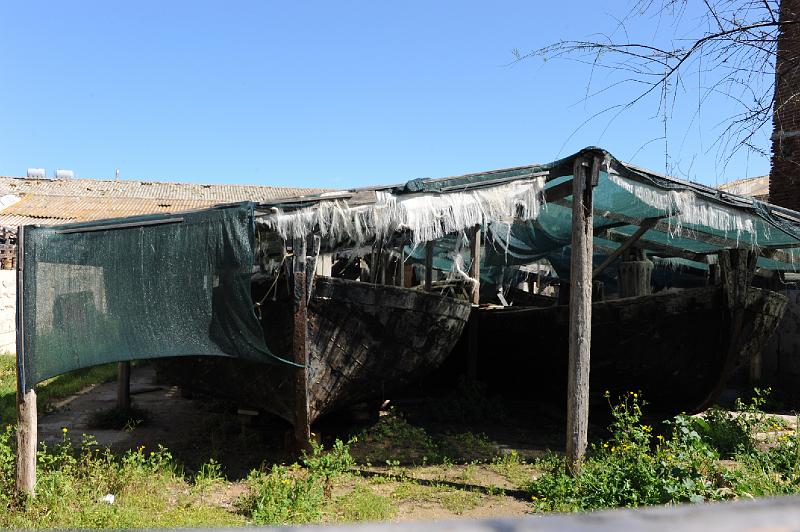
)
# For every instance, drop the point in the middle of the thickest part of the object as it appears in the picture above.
(8, 310)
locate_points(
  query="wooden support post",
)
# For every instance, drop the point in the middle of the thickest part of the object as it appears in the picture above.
(302, 423)
(428, 266)
(384, 262)
(475, 299)
(311, 263)
(713, 275)
(737, 267)
(580, 310)
(736, 270)
(402, 268)
(635, 273)
(123, 386)
(26, 397)
(26, 442)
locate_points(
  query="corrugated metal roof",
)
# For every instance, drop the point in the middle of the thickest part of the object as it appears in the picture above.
(77, 208)
(146, 189)
(58, 201)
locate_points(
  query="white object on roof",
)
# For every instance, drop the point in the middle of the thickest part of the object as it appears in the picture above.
(37, 173)
(64, 174)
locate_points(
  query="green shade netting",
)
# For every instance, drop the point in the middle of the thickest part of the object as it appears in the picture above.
(153, 286)
(690, 216)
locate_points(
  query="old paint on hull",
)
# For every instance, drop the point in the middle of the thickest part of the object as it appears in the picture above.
(364, 340)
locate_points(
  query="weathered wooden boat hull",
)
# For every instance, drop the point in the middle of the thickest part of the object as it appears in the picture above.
(677, 348)
(363, 341)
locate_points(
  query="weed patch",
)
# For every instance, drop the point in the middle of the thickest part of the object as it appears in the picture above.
(635, 468)
(85, 486)
(295, 495)
(459, 501)
(362, 504)
(394, 441)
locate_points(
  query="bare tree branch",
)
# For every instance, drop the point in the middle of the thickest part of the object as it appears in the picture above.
(733, 47)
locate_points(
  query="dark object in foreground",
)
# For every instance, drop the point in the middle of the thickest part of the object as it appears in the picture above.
(363, 340)
(678, 348)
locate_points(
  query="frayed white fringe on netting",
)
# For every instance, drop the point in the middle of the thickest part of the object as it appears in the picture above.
(686, 207)
(427, 216)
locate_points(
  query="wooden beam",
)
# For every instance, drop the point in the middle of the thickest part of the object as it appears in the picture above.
(428, 266)
(475, 299)
(558, 192)
(769, 251)
(123, 386)
(646, 225)
(580, 310)
(597, 230)
(302, 424)
(657, 247)
(26, 397)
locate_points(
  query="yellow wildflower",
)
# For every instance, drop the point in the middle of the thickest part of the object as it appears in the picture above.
(64, 430)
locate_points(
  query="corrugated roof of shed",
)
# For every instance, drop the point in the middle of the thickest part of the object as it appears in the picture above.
(58, 201)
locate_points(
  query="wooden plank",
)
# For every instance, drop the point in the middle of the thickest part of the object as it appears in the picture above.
(26, 398)
(302, 423)
(646, 225)
(580, 311)
(475, 299)
(123, 386)
(428, 266)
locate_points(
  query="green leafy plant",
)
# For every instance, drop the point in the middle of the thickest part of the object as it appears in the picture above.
(632, 468)
(283, 496)
(209, 475)
(289, 495)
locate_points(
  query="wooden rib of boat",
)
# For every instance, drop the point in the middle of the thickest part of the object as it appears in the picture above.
(678, 348)
(363, 340)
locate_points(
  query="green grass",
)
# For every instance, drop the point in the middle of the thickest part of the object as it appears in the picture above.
(48, 391)
(149, 491)
(456, 501)
(459, 501)
(513, 468)
(362, 504)
(720, 455)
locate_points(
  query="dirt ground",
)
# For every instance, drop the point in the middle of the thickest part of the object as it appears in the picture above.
(196, 429)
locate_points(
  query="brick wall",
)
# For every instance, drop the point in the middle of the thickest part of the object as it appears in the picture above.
(784, 180)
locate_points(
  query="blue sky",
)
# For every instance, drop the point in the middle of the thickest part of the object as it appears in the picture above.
(315, 93)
